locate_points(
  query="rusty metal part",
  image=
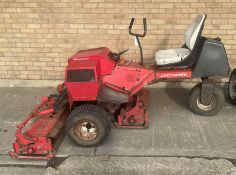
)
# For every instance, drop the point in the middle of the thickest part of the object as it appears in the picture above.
(209, 106)
(86, 130)
(110, 95)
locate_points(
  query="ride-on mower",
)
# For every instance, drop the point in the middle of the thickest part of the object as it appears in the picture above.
(100, 88)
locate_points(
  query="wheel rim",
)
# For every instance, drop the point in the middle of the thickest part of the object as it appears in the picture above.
(206, 107)
(232, 86)
(86, 130)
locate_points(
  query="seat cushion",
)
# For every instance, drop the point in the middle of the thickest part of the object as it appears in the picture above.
(169, 56)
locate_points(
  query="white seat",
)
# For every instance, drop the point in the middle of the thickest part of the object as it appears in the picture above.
(171, 55)
(163, 57)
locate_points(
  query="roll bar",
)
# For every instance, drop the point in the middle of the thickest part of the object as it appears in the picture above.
(138, 35)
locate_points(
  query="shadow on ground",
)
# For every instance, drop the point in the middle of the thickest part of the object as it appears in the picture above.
(180, 98)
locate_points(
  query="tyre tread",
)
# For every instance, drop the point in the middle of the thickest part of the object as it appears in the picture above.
(196, 90)
(92, 109)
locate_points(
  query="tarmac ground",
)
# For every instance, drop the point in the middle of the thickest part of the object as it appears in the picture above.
(176, 142)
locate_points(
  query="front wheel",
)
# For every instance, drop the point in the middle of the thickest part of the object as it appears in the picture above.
(214, 106)
(88, 125)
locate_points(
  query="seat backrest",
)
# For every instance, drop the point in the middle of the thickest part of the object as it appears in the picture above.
(194, 30)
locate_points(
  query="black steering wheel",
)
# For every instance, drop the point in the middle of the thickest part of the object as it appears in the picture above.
(116, 56)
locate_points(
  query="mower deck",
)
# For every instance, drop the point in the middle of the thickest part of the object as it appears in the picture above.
(39, 138)
(135, 114)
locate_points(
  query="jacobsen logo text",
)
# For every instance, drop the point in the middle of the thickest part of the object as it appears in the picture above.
(174, 75)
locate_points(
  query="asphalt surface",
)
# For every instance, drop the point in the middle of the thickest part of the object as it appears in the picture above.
(174, 132)
(142, 165)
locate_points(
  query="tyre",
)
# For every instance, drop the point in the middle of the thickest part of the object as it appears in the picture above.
(232, 87)
(88, 125)
(217, 101)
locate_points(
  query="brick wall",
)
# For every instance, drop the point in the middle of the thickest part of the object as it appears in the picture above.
(37, 36)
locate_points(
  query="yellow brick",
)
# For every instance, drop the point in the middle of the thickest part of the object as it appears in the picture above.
(33, 25)
(22, 44)
(30, 4)
(23, 77)
(5, 25)
(36, 45)
(33, 77)
(12, 63)
(9, 10)
(84, 31)
(228, 26)
(113, 31)
(20, 10)
(27, 30)
(80, 26)
(166, 5)
(90, 5)
(97, 10)
(183, 5)
(3, 40)
(90, 26)
(46, 68)
(136, 5)
(105, 26)
(47, 25)
(189, 10)
(32, 15)
(53, 64)
(17, 67)
(32, 68)
(4, 4)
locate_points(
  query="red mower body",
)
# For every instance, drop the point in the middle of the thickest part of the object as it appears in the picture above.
(93, 76)
(89, 70)
(84, 71)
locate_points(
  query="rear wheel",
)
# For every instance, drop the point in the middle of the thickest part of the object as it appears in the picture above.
(215, 103)
(88, 125)
(232, 87)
